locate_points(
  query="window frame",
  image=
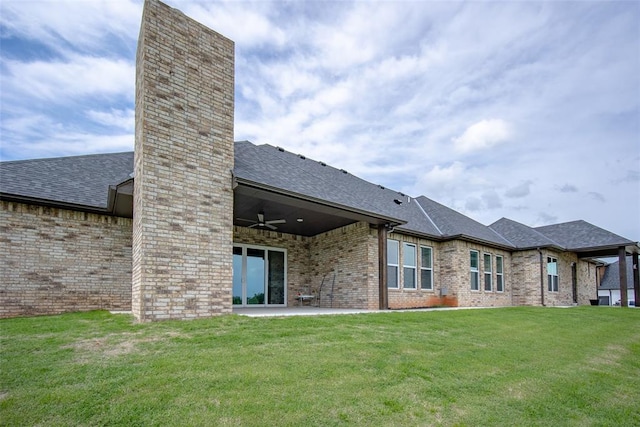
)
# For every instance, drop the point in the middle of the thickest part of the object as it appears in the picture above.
(553, 285)
(427, 269)
(487, 274)
(396, 243)
(474, 271)
(500, 274)
(405, 249)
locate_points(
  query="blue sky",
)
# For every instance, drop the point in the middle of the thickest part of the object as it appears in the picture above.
(526, 110)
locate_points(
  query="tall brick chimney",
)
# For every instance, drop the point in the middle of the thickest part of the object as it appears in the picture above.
(183, 199)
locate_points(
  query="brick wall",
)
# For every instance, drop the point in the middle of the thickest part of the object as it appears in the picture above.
(526, 278)
(527, 275)
(182, 228)
(55, 261)
(587, 289)
(418, 298)
(351, 254)
(451, 276)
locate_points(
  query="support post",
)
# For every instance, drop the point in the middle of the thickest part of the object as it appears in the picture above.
(574, 281)
(622, 264)
(636, 279)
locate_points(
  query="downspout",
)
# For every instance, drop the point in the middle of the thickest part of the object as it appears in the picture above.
(541, 279)
(383, 298)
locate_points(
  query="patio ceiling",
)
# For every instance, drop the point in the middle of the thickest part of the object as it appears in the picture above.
(303, 217)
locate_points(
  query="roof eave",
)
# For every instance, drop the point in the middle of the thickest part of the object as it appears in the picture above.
(539, 247)
(608, 250)
(53, 203)
(480, 241)
(415, 233)
(382, 218)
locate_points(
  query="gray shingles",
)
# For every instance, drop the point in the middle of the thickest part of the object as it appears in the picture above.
(522, 236)
(78, 180)
(611, 278)
(268, 165)
(580, 234)
(452, 223)
(84, 181)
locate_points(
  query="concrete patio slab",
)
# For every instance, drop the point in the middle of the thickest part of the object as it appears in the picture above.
(294, 311)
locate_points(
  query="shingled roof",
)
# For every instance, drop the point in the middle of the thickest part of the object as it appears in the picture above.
(452, 224)
(522, 236)
(299, 175)
(580, 235)
(83, 182)
(611, 278)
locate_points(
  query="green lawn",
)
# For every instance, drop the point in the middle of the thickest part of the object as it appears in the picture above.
(510, 366)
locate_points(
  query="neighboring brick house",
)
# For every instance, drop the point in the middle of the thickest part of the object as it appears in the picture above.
(192, 223)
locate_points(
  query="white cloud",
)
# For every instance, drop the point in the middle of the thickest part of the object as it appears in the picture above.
(63, 25)
(248, 25)
(446, 175)
(568, 188)
(122, 119)
(491, 199)
(60, 81)
(462, 102)
(481, 135)
(520, 190)
(597, 196)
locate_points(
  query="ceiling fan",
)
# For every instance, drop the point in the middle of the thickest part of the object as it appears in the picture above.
(262, 223)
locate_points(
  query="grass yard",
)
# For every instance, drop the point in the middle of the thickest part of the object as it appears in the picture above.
(510, 366)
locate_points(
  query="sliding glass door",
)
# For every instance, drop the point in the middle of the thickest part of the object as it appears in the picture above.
(259, 276)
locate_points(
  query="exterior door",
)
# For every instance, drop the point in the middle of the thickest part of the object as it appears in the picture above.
(259, 276)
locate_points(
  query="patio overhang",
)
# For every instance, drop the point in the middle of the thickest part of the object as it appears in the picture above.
(607, 251)
(621, 251)
(303, 215)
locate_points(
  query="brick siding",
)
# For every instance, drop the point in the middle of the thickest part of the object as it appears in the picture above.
(55, 261)
(350, 254)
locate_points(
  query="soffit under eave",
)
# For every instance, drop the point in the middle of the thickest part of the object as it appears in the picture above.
(250, 188)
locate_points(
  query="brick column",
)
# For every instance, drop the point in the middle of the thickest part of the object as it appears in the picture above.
(183, 200)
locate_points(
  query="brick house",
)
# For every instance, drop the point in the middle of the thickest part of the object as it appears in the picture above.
(192, 224)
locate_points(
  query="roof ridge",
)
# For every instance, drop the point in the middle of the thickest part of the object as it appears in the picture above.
(427, 215)
(535, 230)
(507, 240)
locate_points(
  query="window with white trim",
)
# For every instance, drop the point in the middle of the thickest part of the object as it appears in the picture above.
(499, 273)
(552, 274)
(426, 268)
(473, 266)
(393, 263)
(409, 265)
(488, 276)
